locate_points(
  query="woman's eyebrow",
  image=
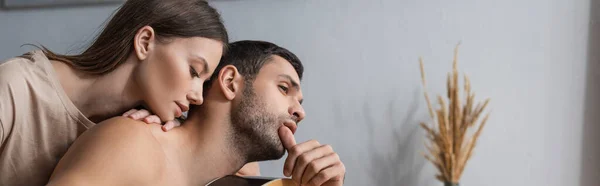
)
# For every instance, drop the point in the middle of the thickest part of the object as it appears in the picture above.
(204, 65)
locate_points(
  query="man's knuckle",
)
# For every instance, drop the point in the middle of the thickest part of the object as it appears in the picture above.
(328, 147)
(304, 159)
(343, 168)
(320, 178)
(294, 150)
(315, 142)
(313, 166)
(336, 156)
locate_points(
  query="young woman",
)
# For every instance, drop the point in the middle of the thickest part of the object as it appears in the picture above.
(152, 53)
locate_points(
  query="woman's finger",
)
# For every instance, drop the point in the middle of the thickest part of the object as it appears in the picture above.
(168, 126)
(129, 112)
(176, 123)
(152, 119)
(139, 114)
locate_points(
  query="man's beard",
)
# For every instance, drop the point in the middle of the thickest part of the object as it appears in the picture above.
(255, 130)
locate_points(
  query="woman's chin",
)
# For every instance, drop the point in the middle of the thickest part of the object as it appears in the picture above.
(165, 117)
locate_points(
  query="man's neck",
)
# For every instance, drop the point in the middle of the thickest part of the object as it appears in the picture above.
(99, 97)
(206, 147)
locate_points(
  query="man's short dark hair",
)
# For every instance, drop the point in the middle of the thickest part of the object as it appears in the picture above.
(250, 56)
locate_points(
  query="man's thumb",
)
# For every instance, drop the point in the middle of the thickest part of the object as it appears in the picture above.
(287, 137)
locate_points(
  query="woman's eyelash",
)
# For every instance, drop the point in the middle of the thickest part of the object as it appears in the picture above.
(193, 72)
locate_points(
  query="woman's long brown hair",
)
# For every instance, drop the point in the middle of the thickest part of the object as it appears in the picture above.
(168, 18)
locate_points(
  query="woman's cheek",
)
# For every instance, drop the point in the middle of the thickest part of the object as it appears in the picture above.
(197, 85)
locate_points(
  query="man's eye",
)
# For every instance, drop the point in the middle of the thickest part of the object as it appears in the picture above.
(283, 88)
(193, 72)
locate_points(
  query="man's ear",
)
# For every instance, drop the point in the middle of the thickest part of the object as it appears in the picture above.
(143, 42)
(230, 81)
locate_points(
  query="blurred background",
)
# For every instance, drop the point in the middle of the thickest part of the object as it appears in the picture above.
(539, 61)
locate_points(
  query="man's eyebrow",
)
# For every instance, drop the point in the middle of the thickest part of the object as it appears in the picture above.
(204, 65)
(289, 78)
(295, 84)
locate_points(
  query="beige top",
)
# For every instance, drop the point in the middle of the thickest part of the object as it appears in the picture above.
(38, 122)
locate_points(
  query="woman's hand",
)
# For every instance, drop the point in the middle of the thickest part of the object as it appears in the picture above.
(145, 116)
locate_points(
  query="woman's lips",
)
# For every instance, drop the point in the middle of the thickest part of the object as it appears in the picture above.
(180, 109)
(178, 112)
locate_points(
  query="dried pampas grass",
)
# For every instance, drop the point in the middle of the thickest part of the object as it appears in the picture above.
(449, 145)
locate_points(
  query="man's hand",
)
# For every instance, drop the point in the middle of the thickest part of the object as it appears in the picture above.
(311, 163)
(145, 116)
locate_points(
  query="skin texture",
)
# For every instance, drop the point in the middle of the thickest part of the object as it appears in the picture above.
(165, 75)
(250, 169)
(211, 143)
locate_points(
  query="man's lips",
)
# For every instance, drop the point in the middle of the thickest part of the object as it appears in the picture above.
(291, 125)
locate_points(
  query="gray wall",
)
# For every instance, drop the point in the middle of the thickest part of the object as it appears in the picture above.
(362, 84)
(61, 29)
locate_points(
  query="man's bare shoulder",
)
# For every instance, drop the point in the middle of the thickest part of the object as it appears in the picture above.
(124, 128)
(118, 151)
(122, 131)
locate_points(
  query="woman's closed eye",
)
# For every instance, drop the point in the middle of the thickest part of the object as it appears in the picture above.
(193, 72)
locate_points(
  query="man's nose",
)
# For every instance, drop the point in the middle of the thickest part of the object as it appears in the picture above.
(297, 111)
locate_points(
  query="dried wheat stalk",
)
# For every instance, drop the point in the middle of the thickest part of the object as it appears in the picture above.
(449, 146)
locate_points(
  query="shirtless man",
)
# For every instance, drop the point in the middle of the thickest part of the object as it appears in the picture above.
(251, 110)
